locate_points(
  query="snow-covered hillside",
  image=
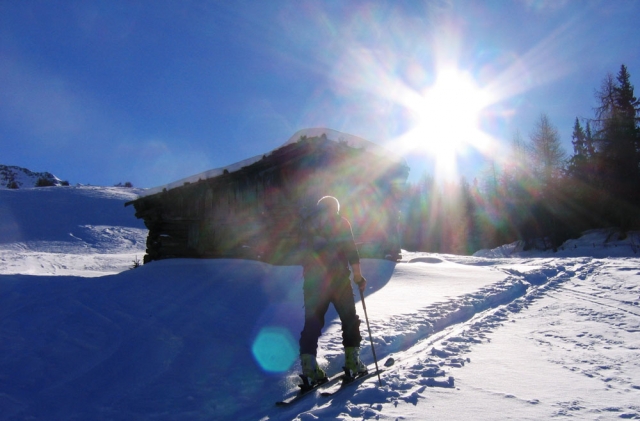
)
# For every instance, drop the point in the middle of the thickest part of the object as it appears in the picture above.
(12, 177)
(84, 231)
(472, 337)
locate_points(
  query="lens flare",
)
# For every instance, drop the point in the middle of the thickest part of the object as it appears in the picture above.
(274, 349)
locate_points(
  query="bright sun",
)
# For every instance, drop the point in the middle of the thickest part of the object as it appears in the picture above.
(447, 119)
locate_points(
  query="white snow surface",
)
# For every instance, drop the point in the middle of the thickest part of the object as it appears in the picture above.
(531, 337)
(81, 231)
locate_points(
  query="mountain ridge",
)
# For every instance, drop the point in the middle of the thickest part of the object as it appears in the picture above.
(14, 177)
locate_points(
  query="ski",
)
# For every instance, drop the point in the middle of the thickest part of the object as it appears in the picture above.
(307, 390)
(349, 380)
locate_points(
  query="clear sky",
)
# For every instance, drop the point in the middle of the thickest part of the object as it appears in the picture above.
(101, 92)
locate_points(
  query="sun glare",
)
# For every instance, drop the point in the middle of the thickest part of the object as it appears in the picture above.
(447, 119)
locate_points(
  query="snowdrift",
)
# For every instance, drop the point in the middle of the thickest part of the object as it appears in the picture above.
(597, 243)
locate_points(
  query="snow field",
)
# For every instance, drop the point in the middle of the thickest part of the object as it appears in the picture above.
(74, 231)
(504, 366)
(530, 336)
(570, 354)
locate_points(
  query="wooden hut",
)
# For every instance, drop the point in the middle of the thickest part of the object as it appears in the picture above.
(257, 211)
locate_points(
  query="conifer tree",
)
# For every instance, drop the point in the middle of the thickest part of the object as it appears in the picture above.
(578, 163)
(546, 152)
(515, 169)
(617, 139)
(578, 187)
(628, 109)
(547, 162)
(590, 143)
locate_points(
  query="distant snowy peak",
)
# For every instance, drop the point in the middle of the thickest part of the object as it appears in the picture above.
(12, 177)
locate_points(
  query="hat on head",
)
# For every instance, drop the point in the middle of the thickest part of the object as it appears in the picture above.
(330, 204)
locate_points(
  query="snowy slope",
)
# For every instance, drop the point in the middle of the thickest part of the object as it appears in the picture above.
(83, 231)
(17, 177)
(473, 337)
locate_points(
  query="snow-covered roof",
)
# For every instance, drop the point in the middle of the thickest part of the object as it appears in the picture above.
(334, 135)
(351, 140)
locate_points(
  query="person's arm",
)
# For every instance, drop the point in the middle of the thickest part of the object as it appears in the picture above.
(357, 274)
(353, 256)
(357, 277)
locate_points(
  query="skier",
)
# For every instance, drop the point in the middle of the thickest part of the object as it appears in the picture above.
(330, 249)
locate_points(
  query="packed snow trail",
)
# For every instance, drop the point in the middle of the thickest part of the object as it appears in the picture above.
(423, 298)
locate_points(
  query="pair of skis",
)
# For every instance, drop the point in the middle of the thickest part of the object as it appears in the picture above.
(345, 380)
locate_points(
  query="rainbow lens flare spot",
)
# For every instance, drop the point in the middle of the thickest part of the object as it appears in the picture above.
(274, 349)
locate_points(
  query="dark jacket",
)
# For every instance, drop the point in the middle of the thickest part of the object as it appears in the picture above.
(329, 247)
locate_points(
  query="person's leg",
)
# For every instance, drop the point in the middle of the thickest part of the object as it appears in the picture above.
(316, 304)
(345, 305)
(315, 307)
(351, 338)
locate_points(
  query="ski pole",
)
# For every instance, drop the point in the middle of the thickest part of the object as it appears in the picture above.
(375, 359)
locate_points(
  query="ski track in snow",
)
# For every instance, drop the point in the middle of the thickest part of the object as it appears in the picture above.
(443, 336)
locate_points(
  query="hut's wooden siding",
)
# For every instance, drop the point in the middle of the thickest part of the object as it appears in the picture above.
(257, 211)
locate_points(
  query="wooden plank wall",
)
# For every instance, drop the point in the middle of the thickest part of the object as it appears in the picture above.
(257, 212)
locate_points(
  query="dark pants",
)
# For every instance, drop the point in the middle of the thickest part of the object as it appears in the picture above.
(318, 294)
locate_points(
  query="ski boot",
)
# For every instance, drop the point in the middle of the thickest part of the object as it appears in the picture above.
(312, 375)
(353, 366)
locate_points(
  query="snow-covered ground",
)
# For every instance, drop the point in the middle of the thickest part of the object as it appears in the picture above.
(500, 335)
(12, 177)
(82, 231)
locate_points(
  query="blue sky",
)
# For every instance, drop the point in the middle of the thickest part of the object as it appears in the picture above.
(101, 92)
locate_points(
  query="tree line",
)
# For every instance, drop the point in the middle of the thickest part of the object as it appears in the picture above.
(538, 195)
